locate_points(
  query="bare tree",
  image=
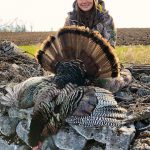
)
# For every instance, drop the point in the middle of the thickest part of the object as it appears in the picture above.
(13, 26)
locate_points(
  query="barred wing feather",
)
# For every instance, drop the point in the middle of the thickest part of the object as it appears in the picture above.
(97, 108)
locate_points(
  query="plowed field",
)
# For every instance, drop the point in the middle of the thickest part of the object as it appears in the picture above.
(125, 36)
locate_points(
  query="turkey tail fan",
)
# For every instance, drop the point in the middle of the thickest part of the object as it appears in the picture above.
(49, 54)
(11, 97)
(89, 46)
(80, 43)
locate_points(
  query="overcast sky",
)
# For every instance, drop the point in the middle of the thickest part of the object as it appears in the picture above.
(44, 15)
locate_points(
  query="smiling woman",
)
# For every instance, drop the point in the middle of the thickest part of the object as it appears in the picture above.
(92, 14)
(85, 5)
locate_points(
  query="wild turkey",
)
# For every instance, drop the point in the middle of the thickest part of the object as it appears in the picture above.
(24, 95)
(76, 55)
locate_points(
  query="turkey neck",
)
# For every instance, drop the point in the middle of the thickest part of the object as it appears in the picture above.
(69, 72)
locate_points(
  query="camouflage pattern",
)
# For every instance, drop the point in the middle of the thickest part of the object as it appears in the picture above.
(101, 21)
(115, 84)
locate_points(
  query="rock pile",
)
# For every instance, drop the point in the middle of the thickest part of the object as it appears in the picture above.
(15, 67)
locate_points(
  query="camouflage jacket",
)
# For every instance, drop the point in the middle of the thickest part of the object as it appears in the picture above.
(102, 21)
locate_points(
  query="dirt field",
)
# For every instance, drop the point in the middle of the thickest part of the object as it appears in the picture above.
(133, 36)
(126, 36)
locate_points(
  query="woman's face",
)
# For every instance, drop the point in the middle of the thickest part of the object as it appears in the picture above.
(85, 5)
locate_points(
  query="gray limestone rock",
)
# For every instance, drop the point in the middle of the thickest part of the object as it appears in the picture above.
(145, 78)
(143, 92)
(20, 113)
(69, 139)
(5, 146)
(123, 96)
(114, 139)
(49, 144)
(8, 125)
(7, 47)
(23, 147)
(23, 130)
